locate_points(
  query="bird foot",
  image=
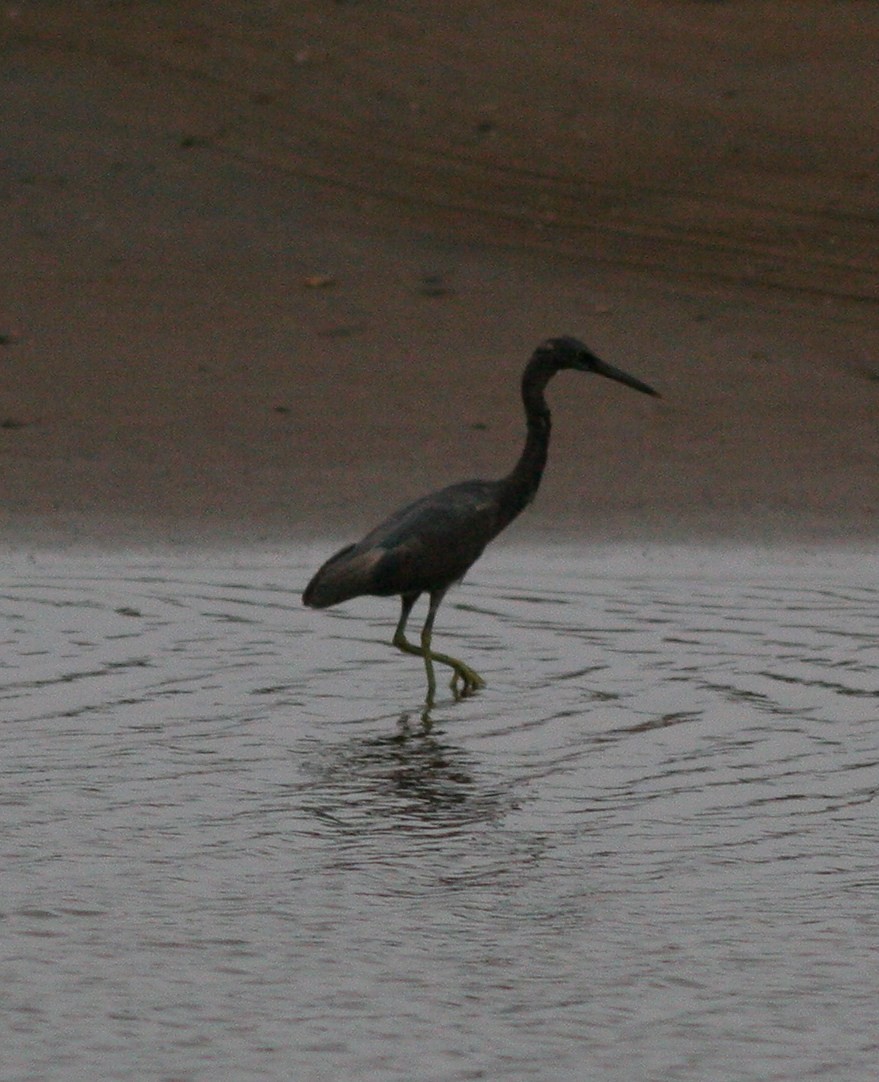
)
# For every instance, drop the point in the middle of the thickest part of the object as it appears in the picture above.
(470, 681)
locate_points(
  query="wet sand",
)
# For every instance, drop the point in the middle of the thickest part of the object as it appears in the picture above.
(268, 273)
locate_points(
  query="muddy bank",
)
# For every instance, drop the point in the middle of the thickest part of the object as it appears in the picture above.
(269, 273)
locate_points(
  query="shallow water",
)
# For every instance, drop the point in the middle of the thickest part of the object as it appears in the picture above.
(648, 850)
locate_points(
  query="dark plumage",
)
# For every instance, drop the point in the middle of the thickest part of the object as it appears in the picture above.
(430, 544)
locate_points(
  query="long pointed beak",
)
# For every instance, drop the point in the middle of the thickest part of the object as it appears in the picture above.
(621, 377)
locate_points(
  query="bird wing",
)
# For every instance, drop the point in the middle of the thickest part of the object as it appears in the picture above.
(425, 546)
(432, 542)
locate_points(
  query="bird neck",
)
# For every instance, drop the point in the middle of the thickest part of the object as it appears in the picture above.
(523, 481)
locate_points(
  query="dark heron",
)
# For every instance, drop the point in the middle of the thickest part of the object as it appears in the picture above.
(430, 544)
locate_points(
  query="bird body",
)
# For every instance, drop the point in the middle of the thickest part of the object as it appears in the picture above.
(430, 544)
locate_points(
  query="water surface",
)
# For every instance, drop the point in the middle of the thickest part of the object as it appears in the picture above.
(232, 849)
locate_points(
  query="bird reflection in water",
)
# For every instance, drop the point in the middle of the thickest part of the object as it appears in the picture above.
(411, 775)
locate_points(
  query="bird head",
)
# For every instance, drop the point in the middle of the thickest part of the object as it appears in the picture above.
(558, 353)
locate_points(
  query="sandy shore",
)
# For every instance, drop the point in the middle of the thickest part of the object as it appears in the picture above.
(268, 273)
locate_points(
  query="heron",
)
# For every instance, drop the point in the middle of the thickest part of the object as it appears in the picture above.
(430, 544)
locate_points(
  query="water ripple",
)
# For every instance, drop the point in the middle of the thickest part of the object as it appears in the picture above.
(232, 847)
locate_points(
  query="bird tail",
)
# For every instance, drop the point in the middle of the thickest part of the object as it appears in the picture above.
(347, 574)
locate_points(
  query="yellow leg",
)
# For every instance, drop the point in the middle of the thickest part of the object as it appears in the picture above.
(470, 680)
(402, 643)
